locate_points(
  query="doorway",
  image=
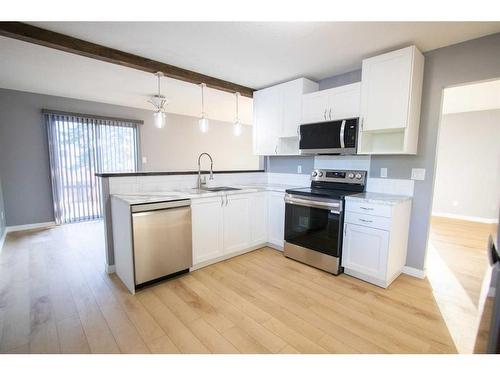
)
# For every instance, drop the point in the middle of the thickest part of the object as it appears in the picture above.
(79, 147)
(465, 207)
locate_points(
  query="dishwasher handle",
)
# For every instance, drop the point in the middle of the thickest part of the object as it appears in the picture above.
(160, 205)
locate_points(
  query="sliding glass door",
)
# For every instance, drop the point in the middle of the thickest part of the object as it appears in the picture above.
(79, 147)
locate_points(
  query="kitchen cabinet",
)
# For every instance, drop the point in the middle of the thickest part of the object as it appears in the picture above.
(228, 224)
(277, 116)
(207, 222)
(276, 215)
(391, 91)
(236, 228)
(258, 218)
(375, 239)
(333, 104)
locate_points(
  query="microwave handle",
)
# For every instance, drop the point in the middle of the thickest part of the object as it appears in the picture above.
(342, 129)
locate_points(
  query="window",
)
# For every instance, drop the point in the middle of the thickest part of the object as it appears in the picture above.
(79, 147)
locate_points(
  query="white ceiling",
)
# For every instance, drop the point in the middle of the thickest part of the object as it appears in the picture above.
(260, 54)
(252, 54)
(32, 68)
(480, 96)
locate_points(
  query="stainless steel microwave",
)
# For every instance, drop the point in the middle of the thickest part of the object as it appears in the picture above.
(338, 137)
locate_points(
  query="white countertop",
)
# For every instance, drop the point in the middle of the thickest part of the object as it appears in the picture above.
(378, 198)
(187, 193)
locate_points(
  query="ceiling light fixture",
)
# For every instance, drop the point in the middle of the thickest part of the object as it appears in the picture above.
(159, 101)
(203, 122)
(237, 128)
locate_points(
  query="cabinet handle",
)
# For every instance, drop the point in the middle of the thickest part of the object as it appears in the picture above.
(227, 201)
(365, 221)
(366, 208)
(361, 122)
(324, 114)
(221, 200)
(276, 150)
(298, 131)
(330, 114)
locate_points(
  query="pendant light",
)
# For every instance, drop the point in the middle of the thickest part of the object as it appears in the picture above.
(159, 101)
(203, 122)
(237, 128)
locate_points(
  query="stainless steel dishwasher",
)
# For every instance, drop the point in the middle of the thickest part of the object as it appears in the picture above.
(162, 240)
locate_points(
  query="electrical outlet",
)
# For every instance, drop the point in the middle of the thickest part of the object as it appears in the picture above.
(383, 172)
(418, 174)
(144, 160)
(299, 168)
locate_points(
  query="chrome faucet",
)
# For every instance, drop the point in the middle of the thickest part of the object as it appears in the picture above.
(200, 182)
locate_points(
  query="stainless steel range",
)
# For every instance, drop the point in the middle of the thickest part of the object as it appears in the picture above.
(314, 217)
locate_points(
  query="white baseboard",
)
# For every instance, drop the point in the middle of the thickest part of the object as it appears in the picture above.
(110, 268)
(2, 240)
(477, 219)
(17, 228)
(415, 272)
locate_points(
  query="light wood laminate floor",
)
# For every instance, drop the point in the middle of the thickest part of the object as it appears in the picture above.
(56, 298)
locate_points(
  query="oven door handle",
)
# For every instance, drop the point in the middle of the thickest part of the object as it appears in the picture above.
(333, 207)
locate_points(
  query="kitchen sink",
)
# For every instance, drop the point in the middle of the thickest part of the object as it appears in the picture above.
(219, 188)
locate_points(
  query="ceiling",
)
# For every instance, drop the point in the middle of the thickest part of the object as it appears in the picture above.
(260, 54)
(247, 53)
(480, 96)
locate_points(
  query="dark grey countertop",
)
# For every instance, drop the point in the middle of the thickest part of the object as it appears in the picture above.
(128, 174)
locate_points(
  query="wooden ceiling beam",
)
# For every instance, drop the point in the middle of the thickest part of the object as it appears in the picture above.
(47, 38)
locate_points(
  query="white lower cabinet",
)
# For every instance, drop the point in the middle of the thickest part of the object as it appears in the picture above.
(276, 219)
(365, 250)
(230, 224)
(258, 218)
(207, 221)
(236, 228)
(375, 240)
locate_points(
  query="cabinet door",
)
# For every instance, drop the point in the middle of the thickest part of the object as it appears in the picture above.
(345, 102)
(258, 218)
(385, 90)
(315, 107)
(268, 117)
(292, 107)
(277, 218)
(207, 229)
(236, 223)
(365, 250)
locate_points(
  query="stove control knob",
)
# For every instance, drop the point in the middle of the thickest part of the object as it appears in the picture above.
(358, 176)
(320, 174)
(314, 174)
(350, 175)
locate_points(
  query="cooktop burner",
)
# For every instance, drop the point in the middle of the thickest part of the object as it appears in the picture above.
(333, 184)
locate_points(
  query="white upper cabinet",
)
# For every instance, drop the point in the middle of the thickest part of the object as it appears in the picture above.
(332, 104)
(391, 91)
(277, 115)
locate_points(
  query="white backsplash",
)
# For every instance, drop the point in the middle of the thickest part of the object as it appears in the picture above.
(390, 186)
(354, 162)
(142, 184)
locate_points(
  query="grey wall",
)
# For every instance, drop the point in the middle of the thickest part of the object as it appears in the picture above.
(340, 80)
(289, 164)
(477, 196)
(24, 164)
(470, 61)
(2, 212)
(474, 60)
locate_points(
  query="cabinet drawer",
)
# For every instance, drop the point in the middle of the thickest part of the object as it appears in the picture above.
(368, 220)
(369, 208)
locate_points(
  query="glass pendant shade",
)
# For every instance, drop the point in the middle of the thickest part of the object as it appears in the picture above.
(203, 123)
(160, 119)
(237, 128)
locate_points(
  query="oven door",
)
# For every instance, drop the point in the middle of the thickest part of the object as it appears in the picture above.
(315, 224)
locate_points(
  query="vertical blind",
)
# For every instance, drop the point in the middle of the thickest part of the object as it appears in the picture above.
(79, 147)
